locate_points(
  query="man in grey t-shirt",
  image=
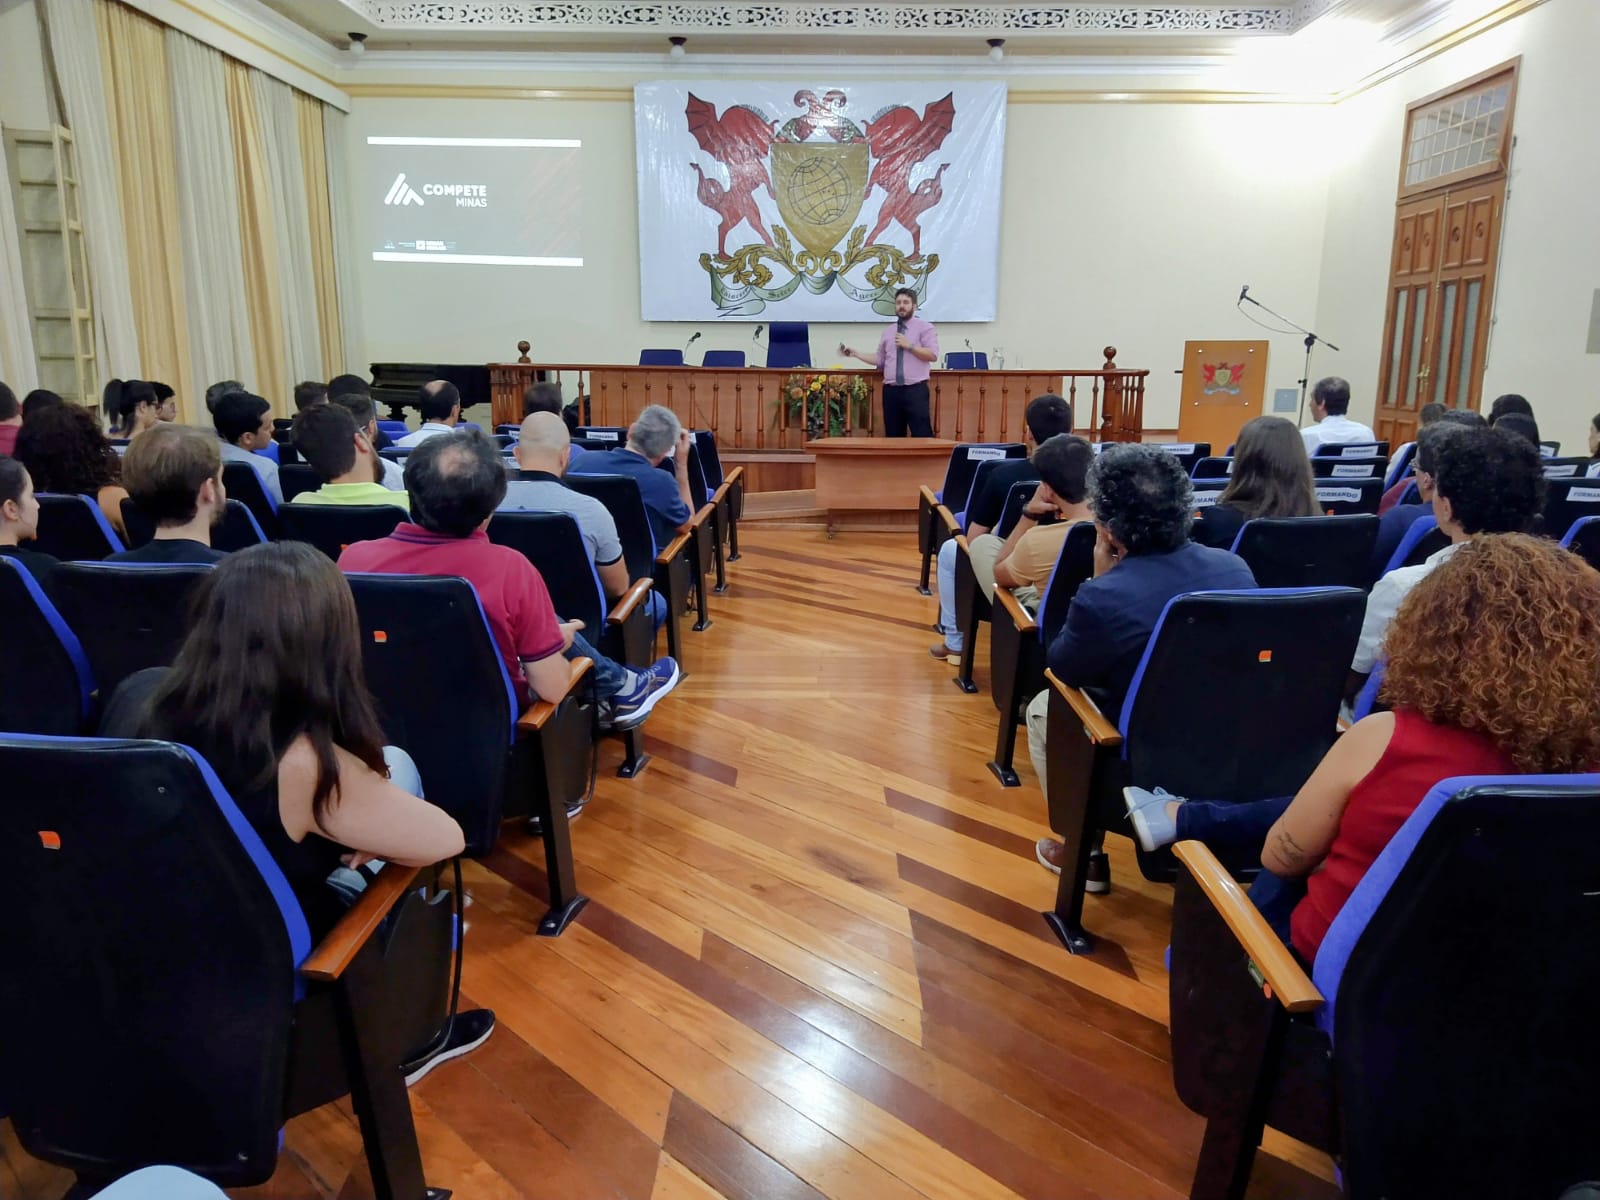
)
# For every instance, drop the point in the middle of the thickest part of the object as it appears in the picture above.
(543, 448)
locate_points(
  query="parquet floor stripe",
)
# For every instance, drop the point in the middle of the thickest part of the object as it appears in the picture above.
(812, 965)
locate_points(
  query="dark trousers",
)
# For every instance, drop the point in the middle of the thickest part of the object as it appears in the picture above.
(903, 404)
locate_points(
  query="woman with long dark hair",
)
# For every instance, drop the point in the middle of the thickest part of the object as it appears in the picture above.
(269, 688)
(19, 521)
(65, 451)
(1271, 478)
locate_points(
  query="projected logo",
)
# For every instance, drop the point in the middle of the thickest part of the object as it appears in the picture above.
(466, 195)
(402, 193)
(819, 167)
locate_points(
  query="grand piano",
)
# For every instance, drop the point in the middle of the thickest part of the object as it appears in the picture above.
(396, 384)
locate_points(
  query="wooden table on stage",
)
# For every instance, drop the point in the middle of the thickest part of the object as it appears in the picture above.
(867, 477)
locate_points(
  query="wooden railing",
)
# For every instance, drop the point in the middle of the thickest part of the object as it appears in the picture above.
(745, 406)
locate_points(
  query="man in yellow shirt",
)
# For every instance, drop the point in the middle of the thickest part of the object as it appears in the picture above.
(327, 437)
(1026, 558)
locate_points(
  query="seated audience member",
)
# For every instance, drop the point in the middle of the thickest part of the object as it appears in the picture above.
(1476, 688)
(541, 453)
(1520, 424)
(268, 687)
(1429, 414)
(1330, 401)
(440, 406)
(1271, 478)
(10, 420)
(65, 451)
(1506, 405)
(19, 521)
(244, 421)
(37, 401)
(1143, 505)
(359, 406)
(456, 481)
(308, 394)
(220, 389)
(545, 396)
(328, 438)
(1393, 524)
(1485, 480)
(1045, 417)
(349, 385)
(1025, 557)
(142, 406)
(174, 474)
(654, 436)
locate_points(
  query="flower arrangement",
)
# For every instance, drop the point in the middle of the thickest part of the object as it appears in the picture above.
(827, 403)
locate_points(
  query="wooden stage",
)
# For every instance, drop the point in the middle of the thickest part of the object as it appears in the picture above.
(813, 963)
(743, 406)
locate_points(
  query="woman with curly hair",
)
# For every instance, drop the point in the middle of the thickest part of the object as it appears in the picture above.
(65, 451)
(1493, 669)
(1271, 478)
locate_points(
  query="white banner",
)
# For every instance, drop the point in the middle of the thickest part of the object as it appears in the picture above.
(816, 205)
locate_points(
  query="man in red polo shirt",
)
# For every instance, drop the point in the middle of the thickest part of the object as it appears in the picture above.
(455, 482)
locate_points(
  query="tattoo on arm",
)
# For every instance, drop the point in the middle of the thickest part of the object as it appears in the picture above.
(1290, 850)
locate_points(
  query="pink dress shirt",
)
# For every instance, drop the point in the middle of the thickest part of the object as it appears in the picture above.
(919, 333)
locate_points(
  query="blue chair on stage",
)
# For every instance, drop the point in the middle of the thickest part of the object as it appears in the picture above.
(723, 358)
(661, 358)
(966, 360)
(789, 344)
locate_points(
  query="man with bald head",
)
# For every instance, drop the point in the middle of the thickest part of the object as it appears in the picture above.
(440, 405)
(543, 450)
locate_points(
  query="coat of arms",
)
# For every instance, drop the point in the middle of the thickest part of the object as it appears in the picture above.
(1221, 377)
(819, 168)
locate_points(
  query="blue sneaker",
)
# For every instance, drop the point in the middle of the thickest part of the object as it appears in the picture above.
(630, 708)
(1148, 811)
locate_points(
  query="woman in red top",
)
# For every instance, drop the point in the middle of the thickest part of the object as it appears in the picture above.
(1493, 669)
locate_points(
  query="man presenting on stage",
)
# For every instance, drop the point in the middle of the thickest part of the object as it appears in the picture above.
(906, 351)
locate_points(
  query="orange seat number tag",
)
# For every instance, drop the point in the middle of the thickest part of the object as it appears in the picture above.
(380, 636)
(49, 839)
(1264, 656)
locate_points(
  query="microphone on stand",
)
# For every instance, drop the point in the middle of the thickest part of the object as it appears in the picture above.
(1243, 292)
(690, 342)
(756, 336)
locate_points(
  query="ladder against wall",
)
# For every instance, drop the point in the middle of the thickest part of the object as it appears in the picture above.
(55, 262)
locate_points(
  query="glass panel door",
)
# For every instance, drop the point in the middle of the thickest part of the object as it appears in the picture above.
(1419, 371)
(1444, 382)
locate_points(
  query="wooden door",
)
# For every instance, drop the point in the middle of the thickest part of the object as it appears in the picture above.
(1439, 305)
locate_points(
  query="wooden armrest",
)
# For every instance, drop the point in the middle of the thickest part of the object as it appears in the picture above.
(1101, 731)
(928, 497)
(339, 949)
(541, 710)
(720, 494)
(1289, 984)
(701, 517)
(732, 477)
(1013, 608)
(950, 522)
(674, 548)
(631, 599)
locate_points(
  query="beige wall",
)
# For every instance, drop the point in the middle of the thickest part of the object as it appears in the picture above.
(1550, 255)
(1124, 224)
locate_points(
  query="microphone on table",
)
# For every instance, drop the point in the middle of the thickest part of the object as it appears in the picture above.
(690, 342)
(1243, 292)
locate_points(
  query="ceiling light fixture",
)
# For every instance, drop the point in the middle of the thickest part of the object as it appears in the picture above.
(358, 43)
(677, 50)
(997, 49)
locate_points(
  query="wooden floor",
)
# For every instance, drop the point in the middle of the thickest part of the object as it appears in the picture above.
(812, 964)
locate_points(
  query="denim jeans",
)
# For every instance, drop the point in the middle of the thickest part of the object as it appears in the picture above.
(610, 678)
(1243, 825)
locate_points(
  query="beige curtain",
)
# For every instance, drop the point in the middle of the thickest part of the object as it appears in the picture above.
(334, 147)
(134, 65)
(314, 164)
(79, 75)
(220, 344)
(259, 243)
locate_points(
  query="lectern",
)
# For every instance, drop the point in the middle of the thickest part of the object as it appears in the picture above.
(875, 475)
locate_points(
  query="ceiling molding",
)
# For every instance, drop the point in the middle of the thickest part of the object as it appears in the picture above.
(747, 17)
(423, 91)
(1445, 42)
